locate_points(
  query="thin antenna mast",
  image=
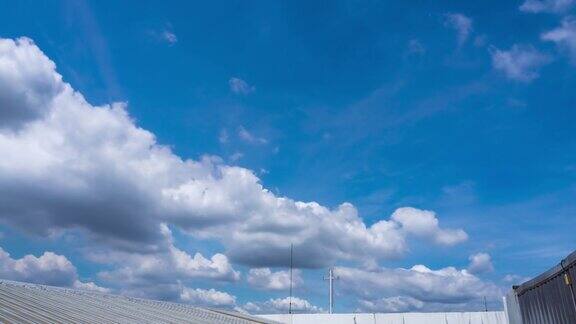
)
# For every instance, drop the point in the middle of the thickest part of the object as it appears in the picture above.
(485, 305)
(290, 300)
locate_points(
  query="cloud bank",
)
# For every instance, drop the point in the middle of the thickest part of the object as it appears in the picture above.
(416, 288)
(48, 269)
(71, 167)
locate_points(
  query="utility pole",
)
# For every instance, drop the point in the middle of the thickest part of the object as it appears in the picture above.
(485, 305)
(290, 300)
(331, 279)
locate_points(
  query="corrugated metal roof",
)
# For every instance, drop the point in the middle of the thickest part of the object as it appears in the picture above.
(30, 303)
(559, 269)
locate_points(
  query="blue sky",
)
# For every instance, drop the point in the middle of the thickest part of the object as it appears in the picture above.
(464, 109)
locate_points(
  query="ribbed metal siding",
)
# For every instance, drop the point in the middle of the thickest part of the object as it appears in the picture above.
(547, 299)
(512, 308)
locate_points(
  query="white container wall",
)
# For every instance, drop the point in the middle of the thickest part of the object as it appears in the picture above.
(396, 318)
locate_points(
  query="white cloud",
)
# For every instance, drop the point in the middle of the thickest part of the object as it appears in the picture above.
(513, 279)
(169, 37)
(423, 223)
(461, 23)
(48, 269)
(239, 86)
(223, 136)
(550, 6)
(397, 304)
(417, 288)
(174, 264)
(480, 263)
(236, 156)
(211, 297)
(91, 170)
(282, 305)
(460, 194)
(90, 286)
(248, 137)
(164, 35)
(264, 278)
(520, 63)
(177, 291)
(414, 47)
(27, 81)
(564, 37)
(198, 266)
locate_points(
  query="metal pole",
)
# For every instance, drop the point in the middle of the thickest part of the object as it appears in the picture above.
(290, 303)
(330, 277)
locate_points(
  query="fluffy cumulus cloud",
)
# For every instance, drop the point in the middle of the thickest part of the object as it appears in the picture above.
(135, 271)
(177, 291)
(264, 278)
(282, 305)
(519, 63)
(48, 269)
(239, 86)
(424, 223)
(90, 286)
(417, 288)
(550, 6)
(211, 297)
(27, 81)
(462, 24)
(564, 37)
(397, 304)
(71, 165)
(480, 263)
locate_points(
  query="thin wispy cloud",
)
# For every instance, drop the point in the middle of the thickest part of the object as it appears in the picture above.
(239, 86)
(564, 37)
(520, 63)
(164, 34)
(415, 47)
(247, 137)
(169, 37)
(236, 156)
(95, 41)
(548, 6)
(461, 23)
(223, 136)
